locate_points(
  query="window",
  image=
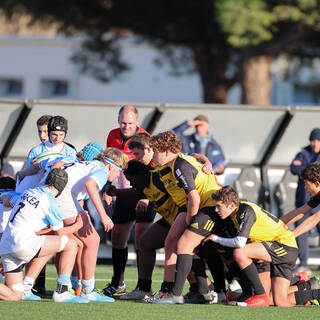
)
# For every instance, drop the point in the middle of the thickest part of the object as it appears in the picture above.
(11, 87)
(54, 88)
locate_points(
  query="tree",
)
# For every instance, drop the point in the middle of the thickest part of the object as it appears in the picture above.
(167, 25)
(211, 36)
(263, 29)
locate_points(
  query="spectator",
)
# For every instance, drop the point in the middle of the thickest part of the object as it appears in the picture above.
(202, 142)
(307, 155)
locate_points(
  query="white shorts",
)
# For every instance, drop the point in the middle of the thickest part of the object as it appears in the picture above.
(14, 260)
(69, 204)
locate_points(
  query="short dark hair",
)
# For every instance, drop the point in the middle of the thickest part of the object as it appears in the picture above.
(7, 183)
(43, 120)
(136, 168)
(311, 172)
(140, 141)
(227, 195)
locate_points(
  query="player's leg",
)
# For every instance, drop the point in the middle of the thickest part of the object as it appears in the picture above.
(123, 219)
(91, 240)
(68, 249)
(143, 221)
(280, 289)
(176, 230)
(13, 290)
(119, 237)
(243, 257)
(153, 238)
(35, 266)
(77, 274)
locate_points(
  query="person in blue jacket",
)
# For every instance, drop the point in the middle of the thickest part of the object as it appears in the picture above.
(307, 155)
(202, 142)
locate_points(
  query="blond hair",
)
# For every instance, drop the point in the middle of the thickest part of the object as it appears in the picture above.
(115, 155)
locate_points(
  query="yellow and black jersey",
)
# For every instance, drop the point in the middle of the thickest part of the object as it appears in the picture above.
(259, 225)
(186, 175)
(160, 198)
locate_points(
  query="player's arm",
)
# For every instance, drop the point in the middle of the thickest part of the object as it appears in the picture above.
(29, 171)
(236, 242)
(93, 192)
(296, 214)
(299, 213)
(59, 164)
(185, 173)
(126, 193)
(248, 219)
(307, 225)
(46, 230)
(193, 202)
(78, 224)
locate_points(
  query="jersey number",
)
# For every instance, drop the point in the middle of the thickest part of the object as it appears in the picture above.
(21, 205)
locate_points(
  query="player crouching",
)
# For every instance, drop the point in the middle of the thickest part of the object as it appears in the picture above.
(34, 210)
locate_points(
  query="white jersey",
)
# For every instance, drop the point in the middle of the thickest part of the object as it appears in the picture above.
(79, 172)
(4, 217)
(5, 212)
(34, 210)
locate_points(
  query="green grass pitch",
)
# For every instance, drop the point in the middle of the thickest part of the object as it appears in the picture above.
(122, 310)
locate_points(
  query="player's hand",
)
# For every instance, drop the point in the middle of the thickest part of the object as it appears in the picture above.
(207, 168)
(297, 163)
(107, 223)
(107, 199)
(219, 169)
(82, 218)
(110, 190)
(34, 160)
(20, 175)
(209, 238)
(142, 205)
(195, 123)
(5, 200)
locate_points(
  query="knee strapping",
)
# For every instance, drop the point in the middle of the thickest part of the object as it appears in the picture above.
(17, 287)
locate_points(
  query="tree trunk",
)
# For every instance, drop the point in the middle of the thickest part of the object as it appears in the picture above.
(212, 67)
(256, 80)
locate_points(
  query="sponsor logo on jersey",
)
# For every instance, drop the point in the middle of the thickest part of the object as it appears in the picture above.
(31, 200)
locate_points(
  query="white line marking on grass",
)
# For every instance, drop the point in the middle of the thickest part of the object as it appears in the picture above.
(129, 280)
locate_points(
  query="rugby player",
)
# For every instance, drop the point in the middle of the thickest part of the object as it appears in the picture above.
(34, 210)
(270, 241)
(191, 189)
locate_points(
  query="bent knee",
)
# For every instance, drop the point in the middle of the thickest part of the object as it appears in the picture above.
(238, 255)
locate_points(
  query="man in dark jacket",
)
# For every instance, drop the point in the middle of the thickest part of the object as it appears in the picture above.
(307, 155)
(201, 142)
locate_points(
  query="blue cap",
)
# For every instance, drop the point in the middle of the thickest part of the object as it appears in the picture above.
(91, 150)
(315, 134)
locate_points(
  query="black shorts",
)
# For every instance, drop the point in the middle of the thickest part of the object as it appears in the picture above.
(283, 259)
(205, 222)
(125, 211)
